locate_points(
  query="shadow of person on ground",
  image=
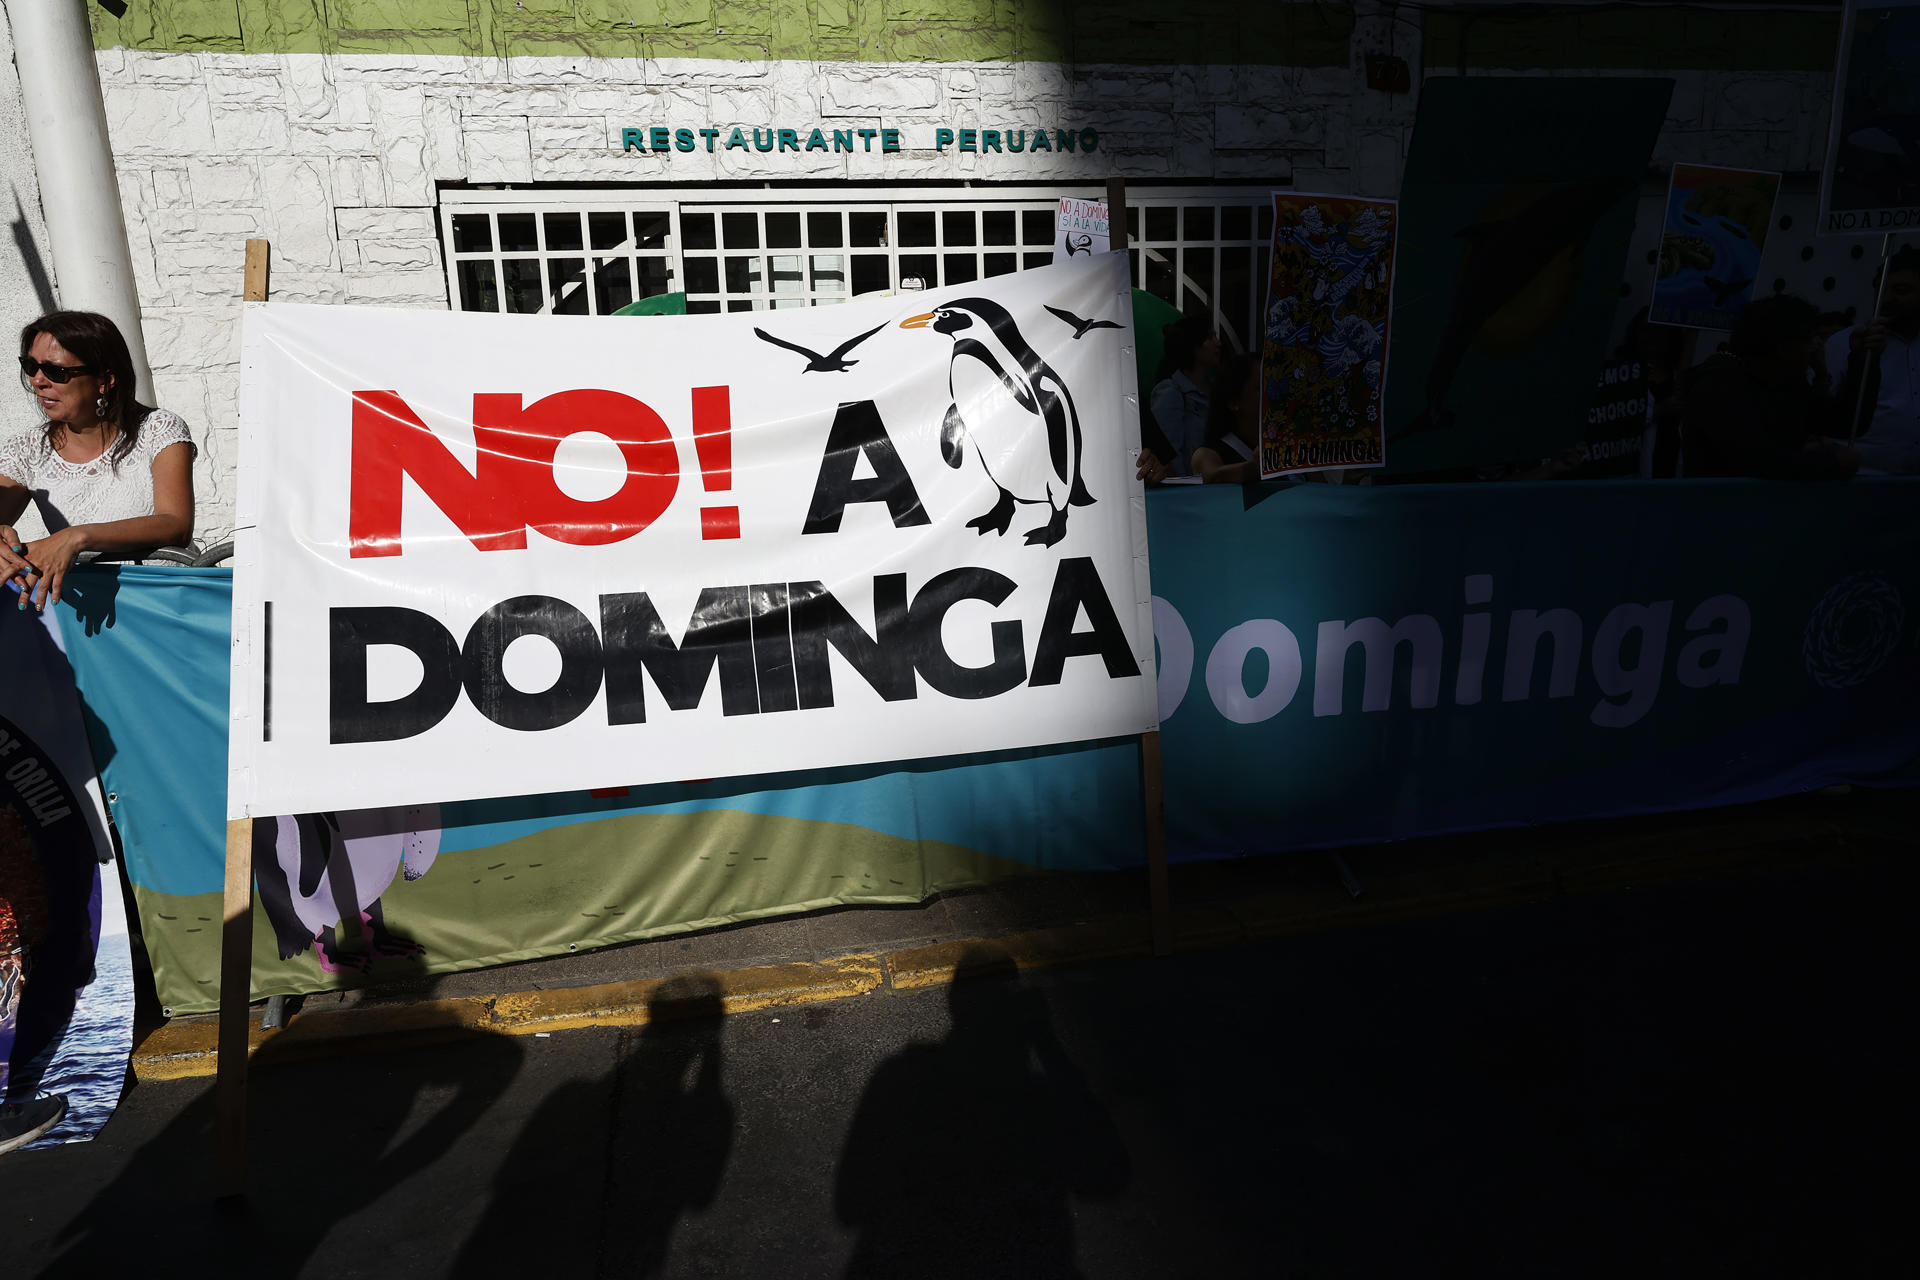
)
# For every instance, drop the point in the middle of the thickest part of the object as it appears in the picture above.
(964, 1157)
(607, 1167)
(327, 1138)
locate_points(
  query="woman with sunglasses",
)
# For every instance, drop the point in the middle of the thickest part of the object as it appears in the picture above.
(108, 473)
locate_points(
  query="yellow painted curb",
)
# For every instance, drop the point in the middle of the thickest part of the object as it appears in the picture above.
(181, 1049)
(186, 1049)
(628, 1004)
(945, 962)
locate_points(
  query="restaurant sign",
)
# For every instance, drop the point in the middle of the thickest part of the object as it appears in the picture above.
(664, 139)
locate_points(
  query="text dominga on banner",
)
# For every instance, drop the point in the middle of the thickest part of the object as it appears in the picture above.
(769, 642)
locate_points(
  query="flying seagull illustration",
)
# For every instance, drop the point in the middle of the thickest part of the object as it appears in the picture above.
(1081, 328)
(834, 362)
(1725, 289)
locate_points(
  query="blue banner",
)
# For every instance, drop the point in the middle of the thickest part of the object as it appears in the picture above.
(474, 883)
(1338, 664)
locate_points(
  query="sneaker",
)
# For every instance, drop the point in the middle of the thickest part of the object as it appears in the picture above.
(23, 1122)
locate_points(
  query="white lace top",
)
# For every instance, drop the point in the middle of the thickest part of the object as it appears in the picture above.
(91, 492)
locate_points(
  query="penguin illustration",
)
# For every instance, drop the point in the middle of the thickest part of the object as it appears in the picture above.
(1002, 393)
(317, 869)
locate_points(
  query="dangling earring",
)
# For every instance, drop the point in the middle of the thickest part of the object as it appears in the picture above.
(100, 406)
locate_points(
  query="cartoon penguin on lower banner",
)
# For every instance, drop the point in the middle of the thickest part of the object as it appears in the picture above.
(318, 869)
(1003, 395)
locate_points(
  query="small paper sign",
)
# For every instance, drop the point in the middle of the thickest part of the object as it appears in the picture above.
(1080, 227)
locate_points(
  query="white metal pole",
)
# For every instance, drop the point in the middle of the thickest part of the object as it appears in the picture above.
(1872, 358)
(67, 123)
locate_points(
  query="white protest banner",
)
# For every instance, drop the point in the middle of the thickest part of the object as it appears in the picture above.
(502, 555)
(1080, 227)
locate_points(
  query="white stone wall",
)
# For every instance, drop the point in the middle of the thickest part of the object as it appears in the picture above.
(335, 159)
(26, 259)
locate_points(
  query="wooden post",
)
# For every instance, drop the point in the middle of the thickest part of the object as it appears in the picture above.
(1159, 902)
(236, 987)
(236, 940)
(256, 278)
(1117, 220)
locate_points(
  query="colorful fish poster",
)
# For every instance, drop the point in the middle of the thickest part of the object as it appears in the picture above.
(1717, 221)
(66, 971)
(1871, 185)
(1323, 373)
(1515, 216)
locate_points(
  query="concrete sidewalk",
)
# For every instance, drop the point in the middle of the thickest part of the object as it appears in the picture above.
(1700, 1078)
(1058, 919)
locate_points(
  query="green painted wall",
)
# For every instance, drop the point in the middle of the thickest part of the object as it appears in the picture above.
(1652, 38)
(1193, 32)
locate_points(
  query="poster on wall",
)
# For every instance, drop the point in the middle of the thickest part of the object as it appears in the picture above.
(1080, 227)
(1871, 182)
(702, 547)
(1515, 216)
(66, 971)
(1710, 248)
(1323, 361)
(1616, 436)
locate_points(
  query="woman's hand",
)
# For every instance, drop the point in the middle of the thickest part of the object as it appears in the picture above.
(49, 559)
(1870, 337)
(14, 568)
(1838, 450)
(1150, 468)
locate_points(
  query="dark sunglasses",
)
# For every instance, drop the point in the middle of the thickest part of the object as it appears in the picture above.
(55, 372)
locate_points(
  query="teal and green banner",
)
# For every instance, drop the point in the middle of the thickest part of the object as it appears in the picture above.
(1337, 665)
(1341, 665)
(461, 886)
(1515, 212)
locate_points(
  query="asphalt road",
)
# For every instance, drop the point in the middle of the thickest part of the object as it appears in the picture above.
(1691, 1080)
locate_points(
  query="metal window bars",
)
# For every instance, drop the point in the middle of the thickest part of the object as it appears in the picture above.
(559, 251)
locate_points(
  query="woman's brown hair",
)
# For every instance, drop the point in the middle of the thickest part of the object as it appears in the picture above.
(96, 342)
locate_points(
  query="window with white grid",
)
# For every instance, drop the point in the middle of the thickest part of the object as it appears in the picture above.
(1205, 254)
(754, 259)
(593, 252)
(577, 259)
